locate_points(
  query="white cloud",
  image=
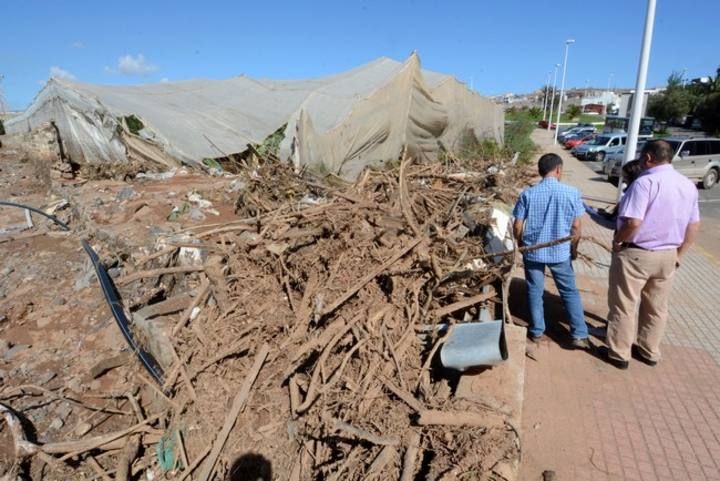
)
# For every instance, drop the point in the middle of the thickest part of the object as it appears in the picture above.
(57, 72)
(77, 45)
(137, 65)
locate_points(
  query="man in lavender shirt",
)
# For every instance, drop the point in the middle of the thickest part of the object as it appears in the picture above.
(658, 221)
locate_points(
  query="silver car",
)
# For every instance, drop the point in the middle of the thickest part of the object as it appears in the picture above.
(698, 158)
(596, 148)
(612, 165)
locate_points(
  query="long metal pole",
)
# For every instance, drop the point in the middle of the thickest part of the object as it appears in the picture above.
(547, 87)
(636, 114)
(562, 89)
(552, 98)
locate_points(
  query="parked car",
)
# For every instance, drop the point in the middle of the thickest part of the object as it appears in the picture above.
(576, 140)
(595, 149)
(612, 166)
(543, 124)
(575, 132)
(698, 158)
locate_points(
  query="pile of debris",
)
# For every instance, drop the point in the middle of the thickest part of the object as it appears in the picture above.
(300, 341)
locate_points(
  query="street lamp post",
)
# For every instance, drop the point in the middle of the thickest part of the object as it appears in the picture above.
(562, 88)
(610, 80)
(552, 98)
(636, 114)
(547, 87)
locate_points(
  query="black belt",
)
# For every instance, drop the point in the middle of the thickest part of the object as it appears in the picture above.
(632, 245)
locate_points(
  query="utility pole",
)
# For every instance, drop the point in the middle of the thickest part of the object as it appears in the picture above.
(633, 131)
(547, 87)
(552, 99)
(562, 88)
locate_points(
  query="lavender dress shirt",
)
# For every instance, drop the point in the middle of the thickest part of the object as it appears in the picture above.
(666, 202)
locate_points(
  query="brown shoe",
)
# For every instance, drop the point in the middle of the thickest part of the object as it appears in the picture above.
(583, 344)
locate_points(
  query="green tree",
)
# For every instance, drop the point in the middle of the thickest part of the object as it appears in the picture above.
(535, 113)
(674, 103)
(708, 111)
(573, 111)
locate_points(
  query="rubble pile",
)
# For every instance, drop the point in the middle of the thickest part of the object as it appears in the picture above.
(300, 340)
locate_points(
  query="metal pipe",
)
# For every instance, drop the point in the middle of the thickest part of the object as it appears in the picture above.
(552, 99)
(545, 100)
(562, 88)
(636, 113)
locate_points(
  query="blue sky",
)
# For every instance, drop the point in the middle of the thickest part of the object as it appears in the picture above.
(499, 46)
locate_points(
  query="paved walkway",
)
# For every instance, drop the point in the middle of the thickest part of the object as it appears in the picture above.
(586, 420)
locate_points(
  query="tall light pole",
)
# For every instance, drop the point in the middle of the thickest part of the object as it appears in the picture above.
(636, 114)
(552, 98)
(547, 87)
(610, 80)
(562, 87)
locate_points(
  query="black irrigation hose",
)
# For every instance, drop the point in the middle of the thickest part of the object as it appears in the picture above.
(37, 211)
(113, 300)
(111, 296)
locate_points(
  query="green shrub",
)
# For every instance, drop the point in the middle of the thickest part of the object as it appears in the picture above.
(134, 124)
(573, 111)
(517, 137)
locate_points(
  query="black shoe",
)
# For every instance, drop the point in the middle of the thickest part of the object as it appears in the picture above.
(618, 363)
(582, 344)
(536, 339)
(636, 354)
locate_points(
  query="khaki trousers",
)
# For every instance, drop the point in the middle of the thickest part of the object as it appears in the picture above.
(644, 276)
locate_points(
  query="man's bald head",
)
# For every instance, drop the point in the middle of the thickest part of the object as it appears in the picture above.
(659, 151)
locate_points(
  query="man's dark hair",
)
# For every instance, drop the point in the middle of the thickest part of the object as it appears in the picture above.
(659, 150)
(548, 163)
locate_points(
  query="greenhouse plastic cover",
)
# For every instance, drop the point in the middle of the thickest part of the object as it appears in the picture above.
(337, 124)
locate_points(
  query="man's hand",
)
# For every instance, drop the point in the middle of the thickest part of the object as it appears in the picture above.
(518, 226)
(576, 233)
(629, 227)
(691, 233)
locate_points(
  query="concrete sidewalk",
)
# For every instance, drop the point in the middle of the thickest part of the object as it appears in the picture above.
(586, 420)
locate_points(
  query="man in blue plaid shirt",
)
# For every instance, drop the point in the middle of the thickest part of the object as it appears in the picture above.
(544, 213)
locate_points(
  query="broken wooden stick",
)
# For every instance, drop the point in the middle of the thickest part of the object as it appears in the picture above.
(126, 458)
(98, 469)
(203, 291)
(195, 464)
(405, 396)
(386, 456)
(465, 303)
(237, 406)
(372, 275)
(411, 453)
(339, 425)
(23, 447)
(75, 448)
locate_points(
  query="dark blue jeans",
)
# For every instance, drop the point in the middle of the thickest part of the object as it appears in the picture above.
(564, 277)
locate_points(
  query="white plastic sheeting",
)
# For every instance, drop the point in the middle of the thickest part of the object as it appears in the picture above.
(338, 124)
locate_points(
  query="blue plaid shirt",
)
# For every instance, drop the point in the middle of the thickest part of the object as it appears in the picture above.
(548, 209)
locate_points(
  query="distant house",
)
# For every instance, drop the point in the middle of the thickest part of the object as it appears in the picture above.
(593, 108)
